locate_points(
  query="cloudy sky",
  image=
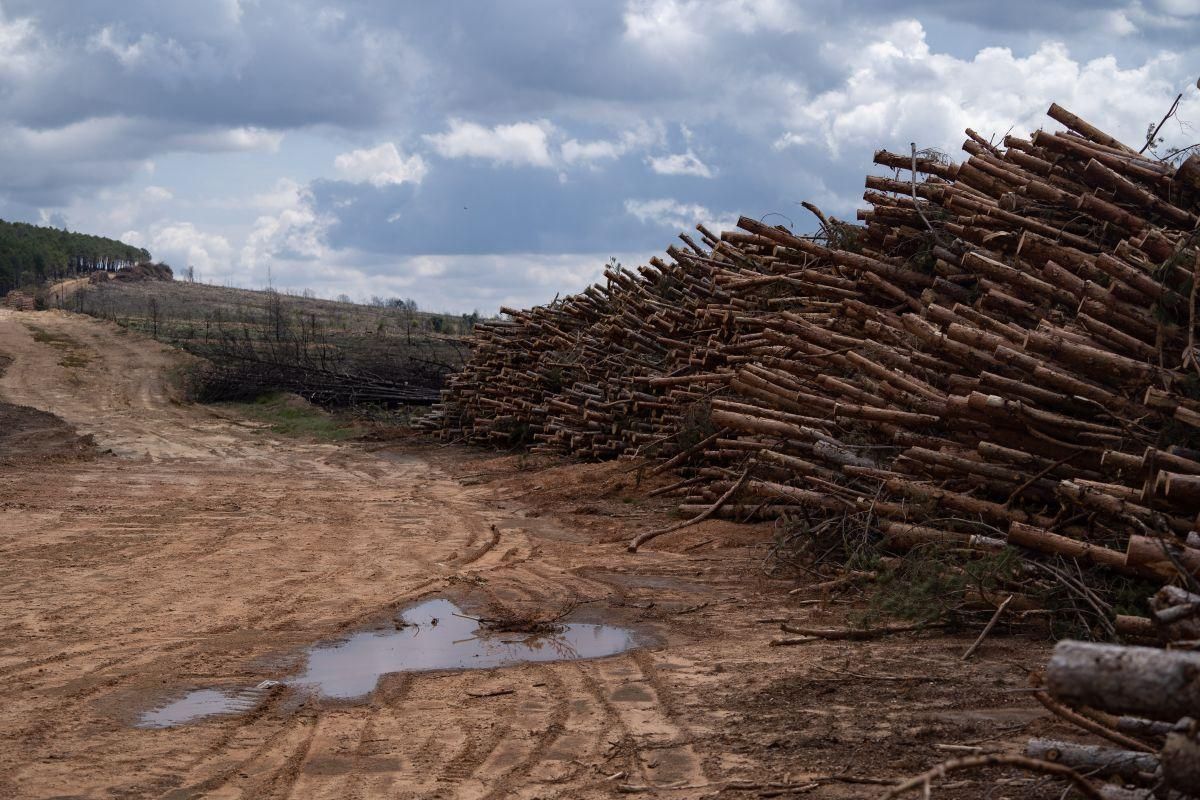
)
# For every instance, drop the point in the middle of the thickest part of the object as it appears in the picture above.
(474, 154)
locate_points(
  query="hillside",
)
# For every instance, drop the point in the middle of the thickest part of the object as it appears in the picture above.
(259, 341)
(32, 254)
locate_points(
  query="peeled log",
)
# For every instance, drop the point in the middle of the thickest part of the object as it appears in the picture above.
(1147, 552)
(1143, 681)
(1044, 541)
(1085, 129)
(1180, 488)
(1089, 759)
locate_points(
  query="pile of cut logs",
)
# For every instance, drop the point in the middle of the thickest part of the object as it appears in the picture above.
(1003, 357)
(19, 301)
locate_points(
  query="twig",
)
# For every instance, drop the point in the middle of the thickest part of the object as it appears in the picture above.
(714, 508)
(987, 628)
(1075, 718)
(496, 693)
(864, 677)
(970, 762)
(853, 634)
(917, 203)
(787, 641)
(824, 586)
(683, 455)
(677, 485)
(1170, 113)
(697, 545)
(1041, 474)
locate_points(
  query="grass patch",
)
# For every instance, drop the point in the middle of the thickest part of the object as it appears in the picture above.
(289, 415)
(43, 336)
(74, 354)
(75, 358)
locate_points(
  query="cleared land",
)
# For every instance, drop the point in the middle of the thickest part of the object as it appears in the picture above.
(335, 353)
(206, 551)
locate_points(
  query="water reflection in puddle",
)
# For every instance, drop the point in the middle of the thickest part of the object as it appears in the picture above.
(435, 637)
(350, 668)
(197, 704)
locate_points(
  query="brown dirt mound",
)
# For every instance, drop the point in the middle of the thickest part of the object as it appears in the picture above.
(28, 435)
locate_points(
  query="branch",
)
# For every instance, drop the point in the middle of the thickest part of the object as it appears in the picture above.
(970, 762)
(714, 508)
(1170, 113)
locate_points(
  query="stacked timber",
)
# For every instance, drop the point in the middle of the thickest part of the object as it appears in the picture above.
(1020, 370)
(1007, 346)
(19, 301)
(628, 366)
(1002, 357)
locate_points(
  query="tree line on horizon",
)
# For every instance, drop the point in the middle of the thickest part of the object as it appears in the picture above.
(32, 254)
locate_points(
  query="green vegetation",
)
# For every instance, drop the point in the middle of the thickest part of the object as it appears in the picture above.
(32, 254)
(289, 415)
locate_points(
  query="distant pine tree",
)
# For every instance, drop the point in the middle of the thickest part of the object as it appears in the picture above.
(32, 254)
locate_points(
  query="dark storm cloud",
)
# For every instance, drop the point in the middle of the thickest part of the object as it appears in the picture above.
(220, 63)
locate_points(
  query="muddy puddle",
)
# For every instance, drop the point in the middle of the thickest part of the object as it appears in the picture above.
(198, 704)
(434, 635)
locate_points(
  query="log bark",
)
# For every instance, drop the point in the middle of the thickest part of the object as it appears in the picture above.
(1093, 759)
(1142, 681)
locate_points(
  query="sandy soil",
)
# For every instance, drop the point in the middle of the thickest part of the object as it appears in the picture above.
(200, 551)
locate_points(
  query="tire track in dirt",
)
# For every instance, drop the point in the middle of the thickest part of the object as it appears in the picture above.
(224, 547)
(665, 752)
(208, 554)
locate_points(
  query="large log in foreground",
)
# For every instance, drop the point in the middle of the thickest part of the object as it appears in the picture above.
(1142, 681)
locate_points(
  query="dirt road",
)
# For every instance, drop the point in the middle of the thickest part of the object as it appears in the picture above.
(202, 552)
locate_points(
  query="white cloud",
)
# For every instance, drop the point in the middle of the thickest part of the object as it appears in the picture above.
(129, 54)
(330, 18)
(165, 59)
(21, 47)
(380, 166)
(297, 232)
(680, 164)
(519, 144)
(1179, 8)
(182, 244)
(665, 25)
(242, 139)
(671, 213)
(158, 193)
(790, 139)
(641, 137)
(1119, 24)
(898, 90)
(282, 195)
(534, 144)
(599, 150)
